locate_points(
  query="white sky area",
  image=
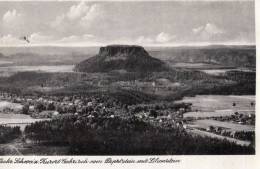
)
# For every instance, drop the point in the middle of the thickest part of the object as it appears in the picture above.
(173, 23)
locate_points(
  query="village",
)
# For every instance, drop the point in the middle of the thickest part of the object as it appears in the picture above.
(163, 115)
(55, 106)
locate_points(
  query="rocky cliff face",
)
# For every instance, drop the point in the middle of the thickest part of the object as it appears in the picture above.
(121, 57)
(126, 50)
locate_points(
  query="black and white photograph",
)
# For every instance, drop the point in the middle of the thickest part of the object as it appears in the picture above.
(102, 78)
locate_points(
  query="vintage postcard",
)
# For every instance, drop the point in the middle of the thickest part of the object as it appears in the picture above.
(128, 84)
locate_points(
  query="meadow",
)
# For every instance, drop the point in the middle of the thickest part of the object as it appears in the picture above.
(215, 103)
(229, 126)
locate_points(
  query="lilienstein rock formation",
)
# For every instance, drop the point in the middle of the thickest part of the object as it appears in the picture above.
(121, 57)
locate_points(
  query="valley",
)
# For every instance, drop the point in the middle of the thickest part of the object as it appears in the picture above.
(161, 94)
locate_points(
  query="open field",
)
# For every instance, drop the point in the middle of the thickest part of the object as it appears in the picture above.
(224, 117)
(218, 72)
(17, 147)
(9, 105)
(212, 135)
(216, 105)
(16, 118)
(10, 70)
(227, 125)
(3, 62)
(211, 103)
(217, 113)
(20, 120)
(197, 65)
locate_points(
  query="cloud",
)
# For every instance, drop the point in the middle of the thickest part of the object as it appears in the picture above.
(164, 37)
(83, 11)
(77, 39)
(12, 22)
(144, 40)
(78, 11)
(152, 40)
(77, 18)
(208, 31)
(11, 16)
(198, 29)
(10, 40)
(40, 38)
(94, 12)
(213, 29)
(161, 38)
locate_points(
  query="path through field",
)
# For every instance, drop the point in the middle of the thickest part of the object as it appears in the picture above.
(11, 148)
(208, 134)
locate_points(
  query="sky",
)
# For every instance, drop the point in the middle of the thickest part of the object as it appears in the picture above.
(173, 23)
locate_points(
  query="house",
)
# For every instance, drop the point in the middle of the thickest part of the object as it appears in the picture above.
(48, 114)
(233, 134)
(209, 128)
(31, 108)
(217, 129)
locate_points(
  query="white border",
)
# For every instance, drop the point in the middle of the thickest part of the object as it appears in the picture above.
(127, 0)
(187, 162)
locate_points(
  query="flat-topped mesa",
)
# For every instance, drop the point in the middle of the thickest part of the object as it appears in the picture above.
(121, 57)
(113, 50)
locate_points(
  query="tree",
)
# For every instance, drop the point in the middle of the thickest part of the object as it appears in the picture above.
(59, 109)
(72, 109)
(39, 107)
(153, 113)
(50, 106)
(25, 109)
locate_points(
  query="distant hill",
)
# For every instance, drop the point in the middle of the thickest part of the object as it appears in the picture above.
(121, 57)
(2, 56)
(238, 56)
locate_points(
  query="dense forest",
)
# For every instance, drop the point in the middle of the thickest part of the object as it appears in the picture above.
(115, 136)
(7, 134)
(194, 83)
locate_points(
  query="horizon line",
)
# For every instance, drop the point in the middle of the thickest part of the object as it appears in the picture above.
(130, 0)
(148, 45)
